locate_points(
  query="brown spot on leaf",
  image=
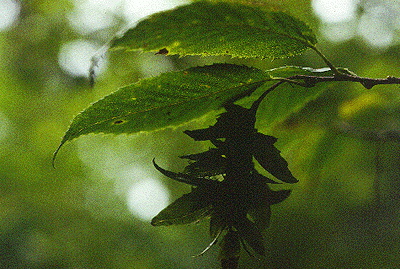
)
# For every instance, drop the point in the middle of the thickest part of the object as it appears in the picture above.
(163, 51)
(118, 122)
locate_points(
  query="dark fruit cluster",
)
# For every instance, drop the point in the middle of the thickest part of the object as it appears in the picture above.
(227, 187)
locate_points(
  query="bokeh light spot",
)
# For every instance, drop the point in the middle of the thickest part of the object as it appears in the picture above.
(9, 12)
(339, 32)
(335, 11)
(75, 58)
(147, 197)
(136, 9)
(377, 25)
(93, 15)
(362, 102)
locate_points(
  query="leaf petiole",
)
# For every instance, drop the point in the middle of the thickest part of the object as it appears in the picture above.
(336, 72)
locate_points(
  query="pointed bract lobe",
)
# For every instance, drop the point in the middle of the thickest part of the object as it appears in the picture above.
(230, 250)
(268, 156)
(205, 28)
(186, 178)
(236, 120)
(189, 208)
(251, 235)
(208, 163)
(261, 216)
(217, 224)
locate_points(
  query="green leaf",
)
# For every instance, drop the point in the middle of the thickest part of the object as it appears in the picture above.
(169, 99)
(189, 208)
(205, 28)
(288, 98)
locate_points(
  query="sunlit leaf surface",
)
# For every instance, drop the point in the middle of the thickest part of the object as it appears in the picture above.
(169, 99)
(205, 28)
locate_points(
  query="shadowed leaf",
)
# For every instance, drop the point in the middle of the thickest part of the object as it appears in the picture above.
(257, 176)
(270, 159)
(186, 178)
(275, 197)
(186, 209)
(208, 163)
(251, 235)
(230, 250)
(217, 224)
(236, 120)
(261, 216)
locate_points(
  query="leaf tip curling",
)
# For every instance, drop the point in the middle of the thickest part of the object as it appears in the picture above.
(55, 154)
(53, 161)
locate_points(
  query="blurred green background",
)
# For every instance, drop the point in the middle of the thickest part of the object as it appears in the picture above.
(94, 209)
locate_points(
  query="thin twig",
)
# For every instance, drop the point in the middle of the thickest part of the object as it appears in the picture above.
(257, 103)
(368, 83)
(328, 63)
(311, 81)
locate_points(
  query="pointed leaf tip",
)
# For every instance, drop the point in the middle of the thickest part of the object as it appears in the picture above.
(53, 161)
(167, 100)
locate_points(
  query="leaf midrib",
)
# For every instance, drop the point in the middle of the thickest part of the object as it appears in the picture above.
(304, 41)
(169, 105)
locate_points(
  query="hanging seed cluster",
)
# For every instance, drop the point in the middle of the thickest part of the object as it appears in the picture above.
(227, 187)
